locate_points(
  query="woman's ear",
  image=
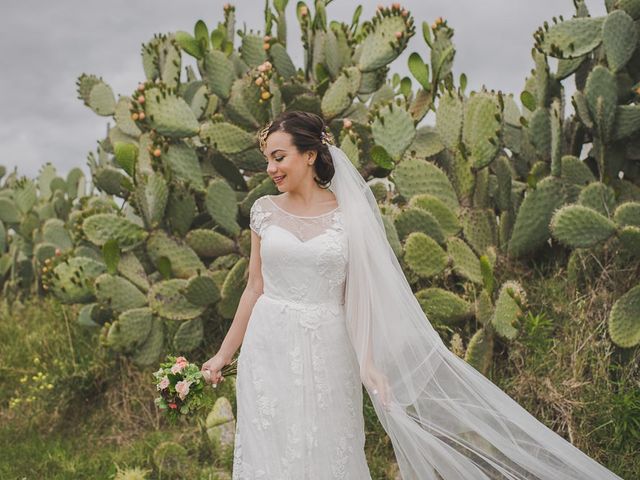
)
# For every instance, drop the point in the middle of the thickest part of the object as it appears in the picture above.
(312, 154)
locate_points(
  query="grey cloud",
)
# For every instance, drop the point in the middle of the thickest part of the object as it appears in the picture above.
(45, 46)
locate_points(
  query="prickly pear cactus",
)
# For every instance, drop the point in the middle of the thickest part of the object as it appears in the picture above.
(34, 227)
(161, 253)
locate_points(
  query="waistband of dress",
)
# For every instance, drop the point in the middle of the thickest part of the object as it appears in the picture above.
(297, 302)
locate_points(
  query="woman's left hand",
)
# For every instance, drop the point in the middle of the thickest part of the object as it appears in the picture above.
(377, 383)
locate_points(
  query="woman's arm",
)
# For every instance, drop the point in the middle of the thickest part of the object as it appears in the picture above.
(252, 291)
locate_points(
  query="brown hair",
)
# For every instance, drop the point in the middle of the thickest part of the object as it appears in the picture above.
(309, 132)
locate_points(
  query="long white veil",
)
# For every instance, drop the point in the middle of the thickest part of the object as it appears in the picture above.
(445, 419)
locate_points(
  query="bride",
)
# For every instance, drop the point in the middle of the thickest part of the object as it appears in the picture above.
(327, 309)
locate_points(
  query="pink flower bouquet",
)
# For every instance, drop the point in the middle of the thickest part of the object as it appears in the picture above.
(181, 386)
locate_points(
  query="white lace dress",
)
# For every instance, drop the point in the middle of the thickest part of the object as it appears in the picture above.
(298, 388)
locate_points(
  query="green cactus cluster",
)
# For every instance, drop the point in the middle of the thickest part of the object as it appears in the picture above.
(34, 229)
(162, 251)
(183, 157)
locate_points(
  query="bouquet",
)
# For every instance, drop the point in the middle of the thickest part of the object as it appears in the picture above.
(182, 387)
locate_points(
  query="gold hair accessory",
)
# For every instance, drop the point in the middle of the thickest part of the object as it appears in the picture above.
(262, 135)
(326, 137)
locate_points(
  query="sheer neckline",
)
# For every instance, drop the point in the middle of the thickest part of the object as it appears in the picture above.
(299, 216)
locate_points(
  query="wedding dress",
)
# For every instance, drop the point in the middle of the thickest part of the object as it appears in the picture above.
(338, 311)
(298, 388)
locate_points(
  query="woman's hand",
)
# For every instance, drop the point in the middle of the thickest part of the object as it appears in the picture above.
(212, 369)
(377, 383)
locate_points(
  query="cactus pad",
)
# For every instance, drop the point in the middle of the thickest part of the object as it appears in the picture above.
(446, 218)
(118, 293)
(393, 129)
(571, 38)
(169, 114)
(102, 227)
(465, 262)
(226, 137)
(184, 261)
(531, 228)
(507, 311)
(167, 300)
(619, 38)
(624, 326)
(415, 176)
(480, 351)
(578, 226)
(131, 329)
(481, 127)
(418, 220)
(443, 307)
(424, 256)
(209, 243)
(189, 335)
(151, 350)
(380, 46)
(72, 281)
(627, 213)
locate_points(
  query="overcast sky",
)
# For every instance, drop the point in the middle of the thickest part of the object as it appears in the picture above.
(45, 46)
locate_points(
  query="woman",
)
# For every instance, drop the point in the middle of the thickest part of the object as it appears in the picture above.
(327, 307)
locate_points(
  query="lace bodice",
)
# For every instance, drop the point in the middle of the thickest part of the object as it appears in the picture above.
(304, 258)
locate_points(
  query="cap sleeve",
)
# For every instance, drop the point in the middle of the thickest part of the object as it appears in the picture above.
(257, 216)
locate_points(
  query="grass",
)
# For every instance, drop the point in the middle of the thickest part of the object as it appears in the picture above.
(565, 370)
(85, 413)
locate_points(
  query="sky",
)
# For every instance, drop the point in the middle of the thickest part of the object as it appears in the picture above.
(45, 46)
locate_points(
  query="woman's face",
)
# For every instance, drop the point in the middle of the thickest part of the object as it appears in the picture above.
(287, 167)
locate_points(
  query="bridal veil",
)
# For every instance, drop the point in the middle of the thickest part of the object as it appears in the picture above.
(445, 419)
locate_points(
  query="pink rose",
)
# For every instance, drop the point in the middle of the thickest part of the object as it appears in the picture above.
(181, 362)
(164, 383)
(182, 387)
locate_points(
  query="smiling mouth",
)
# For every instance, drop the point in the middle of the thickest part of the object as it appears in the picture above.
(278, 179)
